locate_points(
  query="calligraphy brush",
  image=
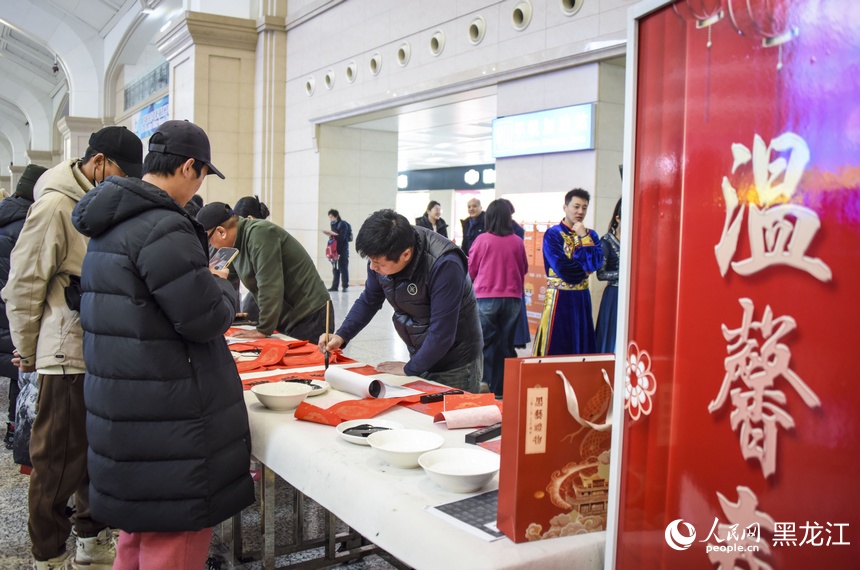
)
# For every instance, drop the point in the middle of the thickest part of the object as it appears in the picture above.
(327, 317)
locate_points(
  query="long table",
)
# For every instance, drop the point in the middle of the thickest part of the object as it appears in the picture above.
(387, 504)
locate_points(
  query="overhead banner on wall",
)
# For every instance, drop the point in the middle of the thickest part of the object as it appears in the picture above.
(555, 130)
(148, 119)
(740, 421)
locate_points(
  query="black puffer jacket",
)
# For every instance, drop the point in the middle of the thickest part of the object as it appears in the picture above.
(441, 225)
(169, 443)
(13, 211)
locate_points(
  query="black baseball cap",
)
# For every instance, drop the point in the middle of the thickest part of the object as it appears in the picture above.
(185, 139)
(214, 214)
(121, 146)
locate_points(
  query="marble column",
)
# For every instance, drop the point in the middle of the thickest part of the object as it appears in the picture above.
(76, 133)
(41, 157)
(15, 172)
(269, 112)
(357, 176)
(212, 68)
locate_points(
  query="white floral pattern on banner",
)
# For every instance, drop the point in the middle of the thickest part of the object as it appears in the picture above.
(639, 384)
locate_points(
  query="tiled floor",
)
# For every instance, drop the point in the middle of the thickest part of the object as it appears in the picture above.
(378, 342)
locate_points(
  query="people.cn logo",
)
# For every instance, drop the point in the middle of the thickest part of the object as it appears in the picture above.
(676, 539)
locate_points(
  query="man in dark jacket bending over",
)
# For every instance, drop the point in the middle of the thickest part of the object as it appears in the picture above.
(169, 443)
(425, 279)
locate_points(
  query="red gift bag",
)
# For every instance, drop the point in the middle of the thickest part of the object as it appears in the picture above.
(554, 477)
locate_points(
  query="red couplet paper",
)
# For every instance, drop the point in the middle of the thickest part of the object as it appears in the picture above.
(451, 402)
(278, 353)
(348, 410)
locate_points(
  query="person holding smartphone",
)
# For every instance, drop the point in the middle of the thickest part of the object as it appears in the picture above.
(275, 268)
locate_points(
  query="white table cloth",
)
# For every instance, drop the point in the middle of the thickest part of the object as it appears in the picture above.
(386, 504)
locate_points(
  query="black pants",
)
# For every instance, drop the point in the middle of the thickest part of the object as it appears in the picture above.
(312, 327)
(340, 271)
(6, 369)
(14, 390)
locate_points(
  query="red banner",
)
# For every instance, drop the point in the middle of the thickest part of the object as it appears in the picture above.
(740, 428)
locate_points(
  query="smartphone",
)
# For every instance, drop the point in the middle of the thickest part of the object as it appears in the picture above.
(222, 258)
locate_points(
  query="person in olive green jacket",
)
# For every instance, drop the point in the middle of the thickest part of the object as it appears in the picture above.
(276, 269)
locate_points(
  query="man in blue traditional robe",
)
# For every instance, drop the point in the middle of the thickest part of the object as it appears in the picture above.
(571, 252)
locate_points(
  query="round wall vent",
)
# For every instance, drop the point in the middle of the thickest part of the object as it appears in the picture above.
(329, 79)
(571, 7)
(476, 30)
(309, 86)
(437, 42)
(522, 15)
(376, 63)
(403, 54)
(351, 71)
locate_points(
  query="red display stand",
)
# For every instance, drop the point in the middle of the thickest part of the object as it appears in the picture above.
(739, 436)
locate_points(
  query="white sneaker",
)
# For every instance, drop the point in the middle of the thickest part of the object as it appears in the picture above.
(95, 553)
(60, 562)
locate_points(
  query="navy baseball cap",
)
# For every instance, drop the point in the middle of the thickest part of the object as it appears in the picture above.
(121, 146)
(184, 138)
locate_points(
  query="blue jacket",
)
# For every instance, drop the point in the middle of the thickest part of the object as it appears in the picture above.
(13, 211)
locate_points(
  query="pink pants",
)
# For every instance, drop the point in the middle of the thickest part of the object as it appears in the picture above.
(160, 550)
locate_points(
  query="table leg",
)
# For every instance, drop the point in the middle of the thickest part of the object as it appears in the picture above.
(298, 517)
(330, 535)
(231, 535)
(267, 517)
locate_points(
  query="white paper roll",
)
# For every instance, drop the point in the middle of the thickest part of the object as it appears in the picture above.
(345, 381)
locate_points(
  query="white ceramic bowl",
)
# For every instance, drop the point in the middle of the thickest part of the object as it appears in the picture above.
(281, 396)
(357, 439)
(403, 447)
(459, 469)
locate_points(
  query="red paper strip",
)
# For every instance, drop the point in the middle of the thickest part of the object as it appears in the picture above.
(314, 357)
(249, 383)
(494, 445)
(286, 374)
(259, 343)
(452, 402)
(269, 355)
(348, 410)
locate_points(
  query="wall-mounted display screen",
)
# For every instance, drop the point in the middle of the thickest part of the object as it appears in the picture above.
(556, 130)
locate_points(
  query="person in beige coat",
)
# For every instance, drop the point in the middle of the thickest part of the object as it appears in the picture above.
(42, 302)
